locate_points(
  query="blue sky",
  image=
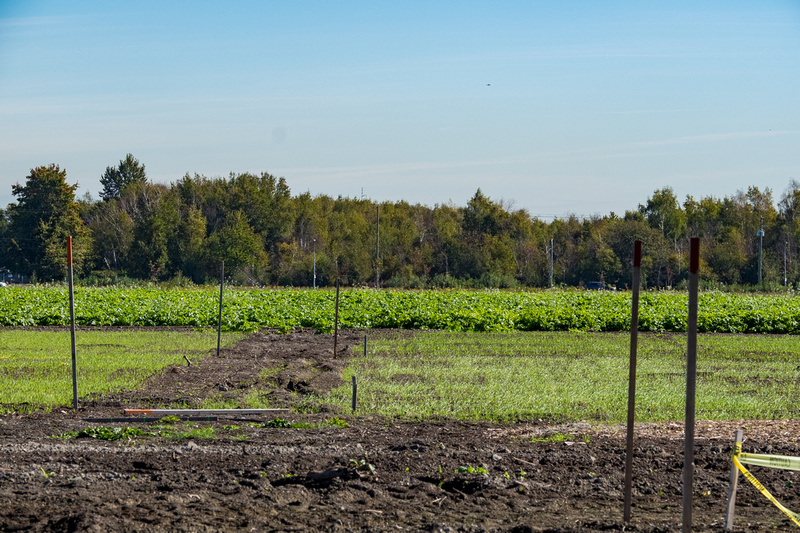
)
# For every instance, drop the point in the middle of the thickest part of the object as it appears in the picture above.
(557, 107)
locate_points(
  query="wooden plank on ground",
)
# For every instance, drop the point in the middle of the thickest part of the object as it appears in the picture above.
(200, 412)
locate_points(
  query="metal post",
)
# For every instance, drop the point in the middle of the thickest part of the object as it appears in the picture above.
(355, 393)
(734, 484)
(637, 263)
(219, 320)
(72, 325)
(760, 234)
(691, 380)
(377, 243)
(315, 263)
(336, 321)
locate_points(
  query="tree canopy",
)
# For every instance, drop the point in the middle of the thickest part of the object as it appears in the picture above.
(39, 223)
(267, 236)
(115, 179)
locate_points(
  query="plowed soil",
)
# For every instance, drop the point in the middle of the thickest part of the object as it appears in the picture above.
(375, 475)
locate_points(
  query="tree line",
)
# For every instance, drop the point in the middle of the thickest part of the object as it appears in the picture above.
(267, 236)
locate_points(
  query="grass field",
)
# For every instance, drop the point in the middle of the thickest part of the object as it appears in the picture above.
(569, 375)
(506, 376)
(36, 366)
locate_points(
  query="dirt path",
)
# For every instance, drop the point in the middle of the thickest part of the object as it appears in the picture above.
(271, 479)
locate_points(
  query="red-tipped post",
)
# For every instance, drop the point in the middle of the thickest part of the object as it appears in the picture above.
(637, 264)
(691, 380)
(72, 324)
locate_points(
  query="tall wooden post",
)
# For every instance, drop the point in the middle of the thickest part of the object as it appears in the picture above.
(637, 264)
(72, 325)
(691, 380)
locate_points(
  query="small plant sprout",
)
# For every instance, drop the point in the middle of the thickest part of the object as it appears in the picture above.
(46, 474)
(471, 470)
(363, 466)
(336, 421)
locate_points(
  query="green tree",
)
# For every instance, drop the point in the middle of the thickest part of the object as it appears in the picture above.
(112, 229)
(240, 247)
(40, 222)
(154, 210)
(187, 246)
(114, 180)
(4, 239)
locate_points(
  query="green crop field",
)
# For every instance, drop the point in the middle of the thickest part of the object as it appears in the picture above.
(36, 366)
(250, 310)
(572, 376)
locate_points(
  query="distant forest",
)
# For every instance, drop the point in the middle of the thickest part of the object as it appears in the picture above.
(267, 236)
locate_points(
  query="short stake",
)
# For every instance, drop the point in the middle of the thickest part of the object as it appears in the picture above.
(737, 437)
(637, 264)
(355, 393)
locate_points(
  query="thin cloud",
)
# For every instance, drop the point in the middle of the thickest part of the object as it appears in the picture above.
(387, 168)
(30, 22)
(714, 137)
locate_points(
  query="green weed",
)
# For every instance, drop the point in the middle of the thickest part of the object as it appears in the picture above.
(105, 433)
(471, 470)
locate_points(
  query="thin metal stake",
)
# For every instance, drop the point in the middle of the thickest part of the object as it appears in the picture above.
(691, 381)
(377, 245)
(336, 321)
(219, 321)
(355, 393)
(72, 325)
(637, 263)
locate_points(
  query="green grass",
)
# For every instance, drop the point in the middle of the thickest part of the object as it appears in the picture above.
(36, 366)
(571, 376)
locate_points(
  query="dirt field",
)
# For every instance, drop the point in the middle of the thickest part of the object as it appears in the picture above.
(320, 479)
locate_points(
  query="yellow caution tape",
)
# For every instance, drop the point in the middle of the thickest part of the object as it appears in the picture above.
(736, 454)
(770, 461)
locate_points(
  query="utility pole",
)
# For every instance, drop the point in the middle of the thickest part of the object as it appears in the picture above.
(315, 263)
(551, 263)
(785, 278)
(760, 235)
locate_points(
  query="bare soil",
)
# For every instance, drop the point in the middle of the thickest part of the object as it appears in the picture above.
(540, 475)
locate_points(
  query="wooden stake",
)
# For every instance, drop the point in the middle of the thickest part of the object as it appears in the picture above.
(734, 484)
(691, 381)
(637, 264)
(72, 325)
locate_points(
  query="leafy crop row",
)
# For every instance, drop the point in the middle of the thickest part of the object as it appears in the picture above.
(250, 310)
